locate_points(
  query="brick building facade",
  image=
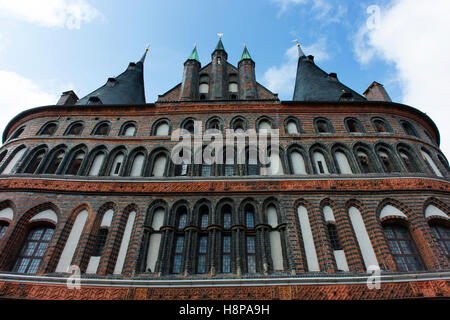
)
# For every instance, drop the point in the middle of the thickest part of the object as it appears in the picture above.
(360, 183)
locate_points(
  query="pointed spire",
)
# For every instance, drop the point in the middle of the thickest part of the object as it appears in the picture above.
(194, 55)
(245, 54)
(145, 54)
(220, 45)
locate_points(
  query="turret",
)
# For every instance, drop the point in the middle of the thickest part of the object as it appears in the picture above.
(190, 83)
(127, 88)
(247, 78)
(219, 73)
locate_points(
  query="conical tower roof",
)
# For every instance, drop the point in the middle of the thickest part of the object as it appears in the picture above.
(314, 84)
(194, 55)
(127, 88)
(245, 54)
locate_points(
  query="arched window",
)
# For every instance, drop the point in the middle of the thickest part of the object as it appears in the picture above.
(353, 125)
(138, 165)
(386, 160)
(161, 128)
(96, 165)
(55, 160)
(323, 125)
(35, 161)
(204, 89)
(75, 129)
(403, 248)
(125, 241)
(102, 129)
(342, 162)
(430, 163)
(13, 159)
(159, 165)
(264, 125)
(276, 248)
(17, 133)
(380, 125)
(100, 240)
(117, 164)
(298, 163)
(189, 126)
(214, 123)
(408, 161)
(48, 129)
(34, 249)
(154, 244)
(365, 245)
(320, 163)
(72, 241)
(292, 126)
(442, 234)
(239, 124)
(333, 237)
(128, 129)
(363, 159)
(75, 163)
(308, 239)
(409, 129)
(233, 87)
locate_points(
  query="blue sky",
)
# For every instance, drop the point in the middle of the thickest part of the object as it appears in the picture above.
(58, 45)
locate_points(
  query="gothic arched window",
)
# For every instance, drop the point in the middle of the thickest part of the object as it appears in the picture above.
(48, 129)
(33, 250)
(403, 248)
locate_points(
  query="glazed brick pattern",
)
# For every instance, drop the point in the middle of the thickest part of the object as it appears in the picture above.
(395, 290)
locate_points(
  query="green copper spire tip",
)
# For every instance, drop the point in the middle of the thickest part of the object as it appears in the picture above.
(220, 45)
(245, 55)
(194, 55)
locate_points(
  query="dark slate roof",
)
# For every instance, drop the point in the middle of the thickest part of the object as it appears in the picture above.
(314, 84)
(127, 88)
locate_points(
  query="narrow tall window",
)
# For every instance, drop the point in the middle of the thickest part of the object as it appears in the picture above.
(33, 250)
(96, 164)
(178, 254)
(117, 165)
(3, 227)
(76, 163)
(100, 241)
(442, 234)
(56, 161)
(386, 161)
(403, 248)
(35, 162)
(251, 254)
(333, 236)
(202, 249)
(226, 254)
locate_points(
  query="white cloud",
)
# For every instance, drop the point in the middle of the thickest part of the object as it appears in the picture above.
(19, 94)
(322, 10)
(282, 79)
(52, 13)
(413, 36)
